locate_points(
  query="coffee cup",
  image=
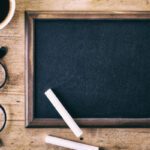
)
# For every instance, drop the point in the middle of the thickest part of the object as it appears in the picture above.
(7, 10)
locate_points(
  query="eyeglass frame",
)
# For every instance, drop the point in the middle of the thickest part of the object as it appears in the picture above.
(5, 117)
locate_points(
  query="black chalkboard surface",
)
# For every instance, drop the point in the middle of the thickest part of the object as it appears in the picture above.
(98, 68)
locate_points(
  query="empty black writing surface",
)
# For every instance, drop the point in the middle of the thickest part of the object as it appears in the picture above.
(97, 68)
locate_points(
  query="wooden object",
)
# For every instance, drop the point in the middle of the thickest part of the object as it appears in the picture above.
(12, 96)
(113, 76)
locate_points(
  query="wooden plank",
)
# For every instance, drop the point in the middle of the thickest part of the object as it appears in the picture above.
(16, 137)
(15, 27)
(88, 5)
(14, 112)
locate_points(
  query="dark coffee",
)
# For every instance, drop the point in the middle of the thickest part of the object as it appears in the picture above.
(4, 9)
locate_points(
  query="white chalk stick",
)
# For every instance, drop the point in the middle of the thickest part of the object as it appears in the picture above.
(64, 113)
(68, 144)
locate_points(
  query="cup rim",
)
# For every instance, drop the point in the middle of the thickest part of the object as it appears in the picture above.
(12, 7)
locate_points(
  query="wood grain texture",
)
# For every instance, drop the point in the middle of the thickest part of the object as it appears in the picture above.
(15, 136)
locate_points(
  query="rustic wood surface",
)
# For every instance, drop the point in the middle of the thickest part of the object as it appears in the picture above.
(15, 136)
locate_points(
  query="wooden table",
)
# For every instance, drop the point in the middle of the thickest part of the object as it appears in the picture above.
(15, 136)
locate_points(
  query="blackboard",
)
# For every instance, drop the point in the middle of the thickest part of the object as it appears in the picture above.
(98, 68)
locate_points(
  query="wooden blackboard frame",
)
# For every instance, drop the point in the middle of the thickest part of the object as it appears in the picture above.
(30, 121)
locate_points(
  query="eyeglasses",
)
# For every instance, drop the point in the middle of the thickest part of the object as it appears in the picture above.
(3, 118)
(3, 74)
